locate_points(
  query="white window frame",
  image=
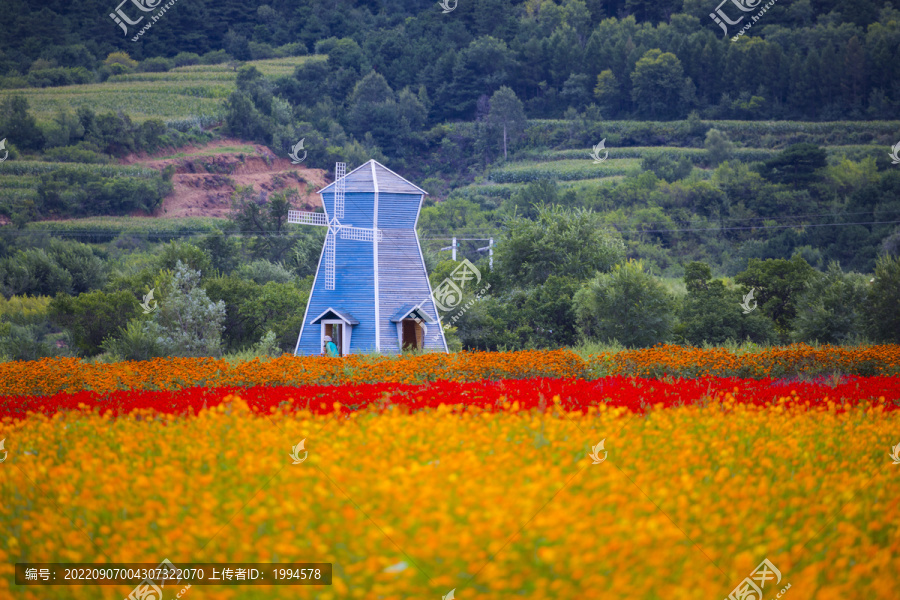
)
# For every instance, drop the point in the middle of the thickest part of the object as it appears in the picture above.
(346, 330)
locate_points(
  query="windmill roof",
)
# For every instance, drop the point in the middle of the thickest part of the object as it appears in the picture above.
(360, 180)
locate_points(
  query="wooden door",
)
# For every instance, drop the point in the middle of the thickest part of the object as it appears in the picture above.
(410, 339)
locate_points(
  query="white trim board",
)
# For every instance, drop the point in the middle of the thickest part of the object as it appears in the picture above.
(375, 253)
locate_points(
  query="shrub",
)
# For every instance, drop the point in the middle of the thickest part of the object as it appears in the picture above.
(718, 147)
(33, 272)
(24, 310)
(30, 342)
(833, 308)
(562, 242)
(777, 284)
(215, 57)
(92, 317)
(138, 340)
(192, 256)
(262, 271)
(186, 323)
(185, 59)
(76, 154)
(668, 166)
(884, 293)
(712, 314)
(119, 63)
(626, 305)
(156, 64)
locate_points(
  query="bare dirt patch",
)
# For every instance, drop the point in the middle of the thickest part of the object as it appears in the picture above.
(206, 176)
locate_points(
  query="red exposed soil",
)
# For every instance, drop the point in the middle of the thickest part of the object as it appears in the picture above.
(206, 176)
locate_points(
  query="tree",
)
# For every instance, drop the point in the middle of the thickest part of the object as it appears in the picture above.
(541, 316)
(718, 147)
(508, 114)
(626, 305)
(33, 272)
(527, 201)
(278, 307)
(18, 126)
(193, 257)
(884, 295)
(119, 63)
(265, 217)
(833, 309)
(710, 313)
(777, 284)
(607, 91)
(561, 242)
(188, 323)
(668, 166)
(798, 164)
(92, 317)
(657, 83)
(482, 67)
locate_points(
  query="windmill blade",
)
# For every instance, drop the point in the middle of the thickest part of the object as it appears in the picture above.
(340, 171)
(356, 233)
(303, 217)
(329, 260)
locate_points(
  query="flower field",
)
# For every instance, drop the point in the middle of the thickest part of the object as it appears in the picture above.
(52, 375)
(477, 480)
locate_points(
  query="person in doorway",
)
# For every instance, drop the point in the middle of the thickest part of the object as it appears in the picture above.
(330, 348)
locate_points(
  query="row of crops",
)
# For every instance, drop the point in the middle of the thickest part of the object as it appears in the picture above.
(184, 93)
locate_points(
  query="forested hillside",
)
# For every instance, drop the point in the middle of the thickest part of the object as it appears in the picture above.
(807, 59)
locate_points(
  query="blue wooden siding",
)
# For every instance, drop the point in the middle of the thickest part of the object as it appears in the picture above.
(354, 292)
(359, 208)
(402, 278)
(398, 211)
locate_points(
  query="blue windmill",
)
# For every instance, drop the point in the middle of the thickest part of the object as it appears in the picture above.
(371, 290)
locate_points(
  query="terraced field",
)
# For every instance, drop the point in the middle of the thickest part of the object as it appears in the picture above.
(194, 93)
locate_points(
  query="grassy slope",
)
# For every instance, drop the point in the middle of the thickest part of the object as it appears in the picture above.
(182, 93)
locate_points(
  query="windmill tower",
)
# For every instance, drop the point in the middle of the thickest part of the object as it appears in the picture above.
(371, 290)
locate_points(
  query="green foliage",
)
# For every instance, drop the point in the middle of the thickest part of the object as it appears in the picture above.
(276, 307)
(562, 170)
(626, 305)
(136, 341)
(240, 331)
(711, 314)
(157, 64)
(224, 251)
(194, 258)
(33, 272)
(884, 293)
(30, 342)
(777, 285)
(24, 310)
(18, 125)
(833, 309)
(561, 242)
(262, 271)
(668, 166)
(186, 323)
(528, 200)
(718, 147)
(506, 115)
(658, 84)
(798, 164)
(541, 316)
(92, 317)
